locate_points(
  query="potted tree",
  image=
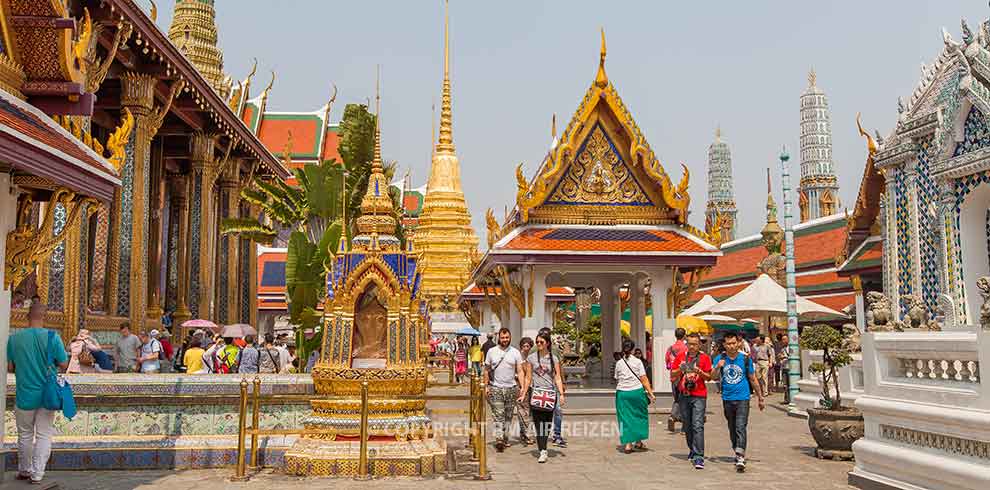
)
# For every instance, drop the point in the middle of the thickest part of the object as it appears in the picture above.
(834, 426)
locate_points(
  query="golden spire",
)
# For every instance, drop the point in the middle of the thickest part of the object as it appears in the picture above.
(812, 77)
(376, 206)
(433, 126)
(446, 141)
(444, 237)
(194, 32)
(601, 80)
(718, 133)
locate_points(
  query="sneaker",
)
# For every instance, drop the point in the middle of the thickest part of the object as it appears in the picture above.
(543, 457)
(740, 464)
(699, 463)
(559, 442)
(500, 446)
(670, 425)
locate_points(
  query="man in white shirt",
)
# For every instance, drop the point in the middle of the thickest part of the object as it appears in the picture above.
(151, 350)
(503, 364)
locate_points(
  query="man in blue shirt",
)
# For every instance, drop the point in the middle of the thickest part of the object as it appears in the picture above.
(738, 377)
(28, 353)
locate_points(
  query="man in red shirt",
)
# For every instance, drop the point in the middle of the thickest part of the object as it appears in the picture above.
(689, 372)
(673, 351)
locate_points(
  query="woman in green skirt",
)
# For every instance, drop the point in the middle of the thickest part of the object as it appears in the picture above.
(633, 395)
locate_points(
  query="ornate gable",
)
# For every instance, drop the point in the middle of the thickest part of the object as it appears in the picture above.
(602, 171)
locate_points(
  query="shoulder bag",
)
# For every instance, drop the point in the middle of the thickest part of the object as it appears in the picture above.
(56, 392)
(637, 378)
(543, 399)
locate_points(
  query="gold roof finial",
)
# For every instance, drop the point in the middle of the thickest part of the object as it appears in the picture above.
(553, 127)
(718, 133)
(812, 77)
(376, 162)
(446, 141)
(601, 80)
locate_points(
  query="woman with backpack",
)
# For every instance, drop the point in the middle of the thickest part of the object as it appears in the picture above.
(269, 356)
(633, 395)
(545, 388)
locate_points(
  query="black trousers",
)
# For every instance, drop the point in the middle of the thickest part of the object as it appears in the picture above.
(543, 420)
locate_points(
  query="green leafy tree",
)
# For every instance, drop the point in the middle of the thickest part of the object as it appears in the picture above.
(356, 148)
(834, 356)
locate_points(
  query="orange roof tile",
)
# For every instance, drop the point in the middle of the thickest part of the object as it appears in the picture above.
(837, 302)
(814, 245)
(602, 240)
(274, 133)
(331, 142)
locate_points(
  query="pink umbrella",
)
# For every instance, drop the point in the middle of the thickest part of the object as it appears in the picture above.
(199, 323)
(238, 330)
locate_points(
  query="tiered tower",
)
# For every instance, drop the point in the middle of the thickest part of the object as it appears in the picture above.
(721, 200)
(819, 193)
(445, 238)
(194, 32)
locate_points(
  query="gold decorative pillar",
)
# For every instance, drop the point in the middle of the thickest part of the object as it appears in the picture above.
(128, 267)
(180, 203)
(97, 291)
(228, 285)
(250, 274)
(202, 225)
(155, 209)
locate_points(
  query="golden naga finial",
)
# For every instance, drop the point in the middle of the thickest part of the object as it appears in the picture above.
(271, 83)
(494, 230)
(601, 80)
(117, 142)
(287, 150)
(154, 11)
(553, 127)
(871, 144)
(81, 47)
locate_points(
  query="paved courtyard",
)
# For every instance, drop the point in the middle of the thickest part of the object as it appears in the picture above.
(781, 458)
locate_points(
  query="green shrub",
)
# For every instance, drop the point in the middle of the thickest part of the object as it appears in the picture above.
(834, 356)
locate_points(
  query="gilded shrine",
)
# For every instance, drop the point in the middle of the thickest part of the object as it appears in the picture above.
(373, 330)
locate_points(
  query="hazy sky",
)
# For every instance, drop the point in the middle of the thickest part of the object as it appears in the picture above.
(681, 67)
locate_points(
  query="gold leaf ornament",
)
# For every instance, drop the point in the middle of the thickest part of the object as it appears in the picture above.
(117, 142)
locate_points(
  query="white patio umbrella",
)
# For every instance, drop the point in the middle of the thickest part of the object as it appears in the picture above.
(764, 297)
(703, 305)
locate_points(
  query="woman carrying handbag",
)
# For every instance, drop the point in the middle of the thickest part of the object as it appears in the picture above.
(633, 395)
(547, 390)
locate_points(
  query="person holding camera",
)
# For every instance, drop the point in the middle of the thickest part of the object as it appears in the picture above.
(633, 396)
(689, 372)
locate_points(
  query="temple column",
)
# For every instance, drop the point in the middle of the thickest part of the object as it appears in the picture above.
(180, 225)
(97, 292)
(155, 223)
(536, 301)
(663, 326)
(637, 313)
(8, 220)
(249, 273)
(891, 265)
(128, 268)
(76, 273)
(227, 278)
(609, 298)
(202, 225)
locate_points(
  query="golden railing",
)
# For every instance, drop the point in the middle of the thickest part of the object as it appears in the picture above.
(475, 412)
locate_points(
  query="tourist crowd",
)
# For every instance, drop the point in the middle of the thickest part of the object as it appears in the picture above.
(201, 352)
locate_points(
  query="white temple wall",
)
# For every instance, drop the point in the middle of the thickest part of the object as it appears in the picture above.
(8, 219)
(973, 237)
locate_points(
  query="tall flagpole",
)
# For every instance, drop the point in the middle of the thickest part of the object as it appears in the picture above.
(793, 347)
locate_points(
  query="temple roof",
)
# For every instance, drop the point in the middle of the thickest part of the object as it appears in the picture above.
(817, 277)
(52, 151)
(575, 244)
(867, 257)
(602, 171)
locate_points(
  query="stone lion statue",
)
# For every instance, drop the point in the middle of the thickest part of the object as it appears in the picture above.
(852, 338)
(983, 284)
(917, 314)
(879, 314)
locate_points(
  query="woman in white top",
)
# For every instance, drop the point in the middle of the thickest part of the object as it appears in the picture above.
(633, 395)
(543, 377)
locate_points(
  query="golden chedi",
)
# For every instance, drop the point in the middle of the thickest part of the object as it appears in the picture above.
(194, 32)
(445, 239)
(372, 332)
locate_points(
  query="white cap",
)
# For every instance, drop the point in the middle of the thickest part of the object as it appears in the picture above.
(153, 333)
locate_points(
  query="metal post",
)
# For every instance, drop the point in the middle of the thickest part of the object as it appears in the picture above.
(482, 444)
(255, 419)
(240, 475)
(450, 363)
(363, 457)
(471, 408)
(793, 345)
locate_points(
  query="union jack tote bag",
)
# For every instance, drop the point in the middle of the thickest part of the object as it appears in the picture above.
(543, 399)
